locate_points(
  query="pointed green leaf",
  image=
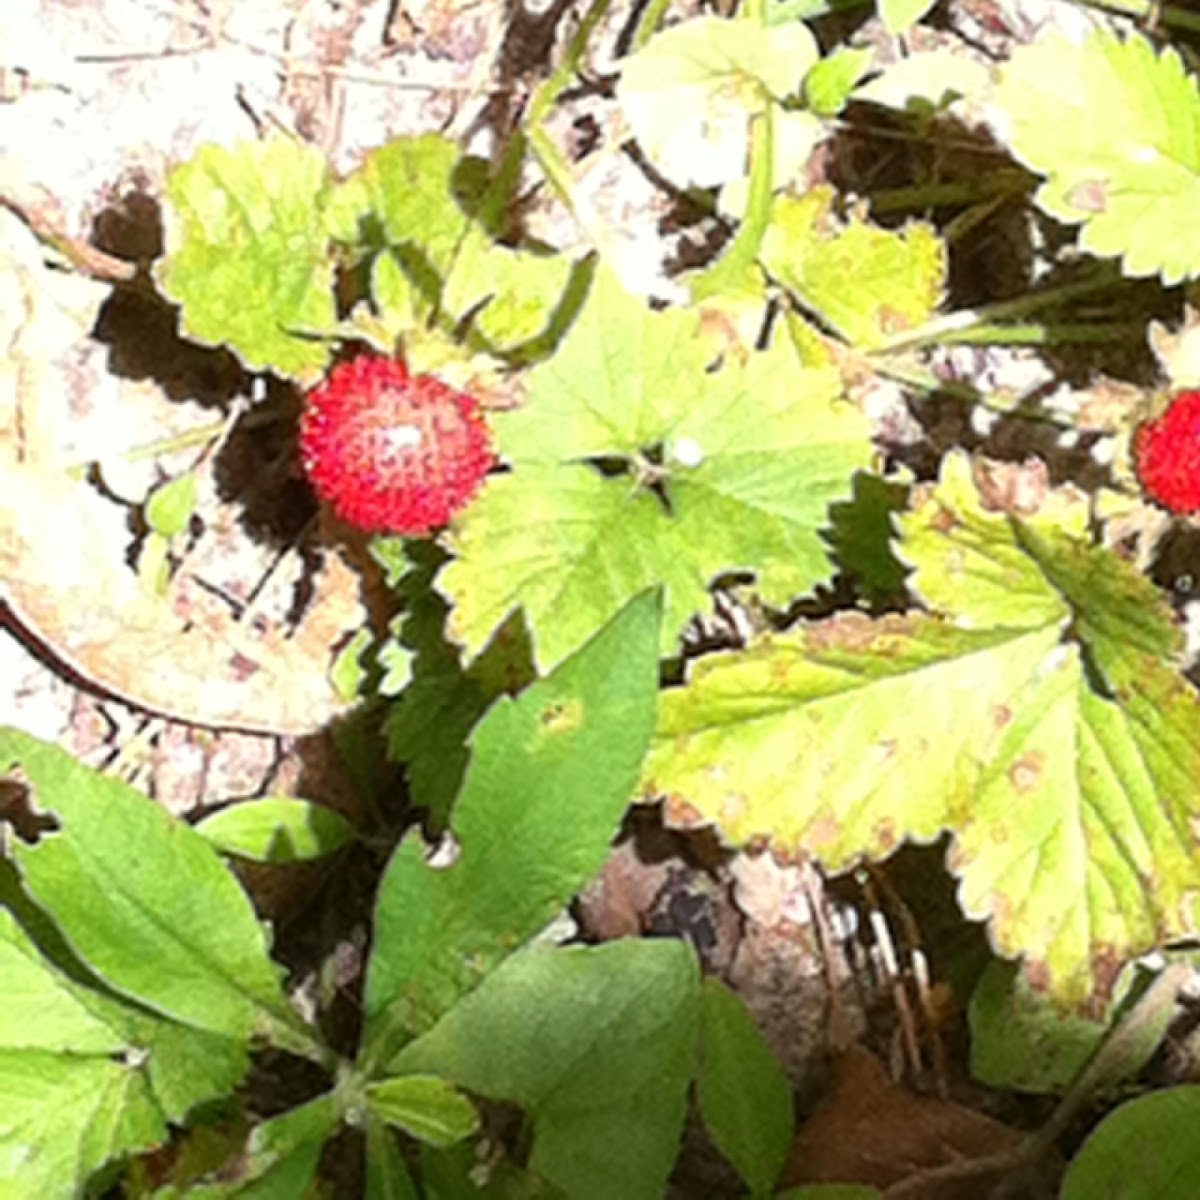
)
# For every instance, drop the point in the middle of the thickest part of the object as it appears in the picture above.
(170, 507)
(743, 1093)
(247, 255)
(1146, 1150)
(83, 1079)
(596, 1043)
(428, 724)
(715, 472)
(550, 776)
(1122, 154)
(1040, 724)
(276, 829)
(868, 283)
(144, 899)
(828, 85)
(424, 1106)
(388, 1176)
(281, 1156)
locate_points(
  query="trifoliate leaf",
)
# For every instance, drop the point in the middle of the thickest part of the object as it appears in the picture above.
(1033, 715)
(247, 255)
(689, 95)
(1115, 127)
(866, 283)
(633, 464)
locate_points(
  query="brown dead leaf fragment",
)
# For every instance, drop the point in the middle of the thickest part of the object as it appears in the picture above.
(65, 573)
(870, 1131)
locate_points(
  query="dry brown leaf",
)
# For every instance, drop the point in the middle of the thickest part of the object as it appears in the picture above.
(63, 546)
(871, 1131)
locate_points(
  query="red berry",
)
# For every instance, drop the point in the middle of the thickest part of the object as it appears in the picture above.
(391, 452)
(1166, 452)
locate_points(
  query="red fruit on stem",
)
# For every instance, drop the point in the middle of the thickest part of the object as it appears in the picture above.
(1166, 453)
(392, 452)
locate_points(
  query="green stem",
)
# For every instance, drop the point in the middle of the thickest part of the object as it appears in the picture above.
(651, 19)
(956, 324)
(999, 185)
(742, 254)
(1036, 334)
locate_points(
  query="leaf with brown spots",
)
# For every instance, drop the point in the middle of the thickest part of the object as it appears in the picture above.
(1037, 715)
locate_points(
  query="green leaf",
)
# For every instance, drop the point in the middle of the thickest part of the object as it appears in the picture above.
(860, 536)
(828, 85)
(596, 1044)
(84, 1080)
(1146, 1150)
(63, 1120)
(743, 1093)
(930, 78)
(247, 257)
(388, 1177)
(708, 472)
(867, 283)
(1023, 1042)
(144, 899)
(1122, 154)
(427, 726)
(404, 195)
(899, 16)
(690, 93)
(424, 1106)
(1031, 713)
(171, 506)
(550, 776)
(277, 829)
(281, 1156)
(416, 200)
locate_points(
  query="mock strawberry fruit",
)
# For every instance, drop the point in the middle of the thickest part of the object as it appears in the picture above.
(392, 452)
(1166, 454)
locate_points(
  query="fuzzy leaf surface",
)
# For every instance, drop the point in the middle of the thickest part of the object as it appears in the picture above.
(1032, 713)
(550, 775)
(868, 283)
(247, 255)
(1122, 154)
(690, 93)
(596, 1043)
(751, 457)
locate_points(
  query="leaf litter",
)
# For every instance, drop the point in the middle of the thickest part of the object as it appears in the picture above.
(447, 55)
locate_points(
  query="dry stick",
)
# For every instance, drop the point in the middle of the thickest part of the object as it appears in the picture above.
(1105, 1065)
(41, 213)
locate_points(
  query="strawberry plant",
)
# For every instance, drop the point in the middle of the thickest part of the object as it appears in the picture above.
(564, 472)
